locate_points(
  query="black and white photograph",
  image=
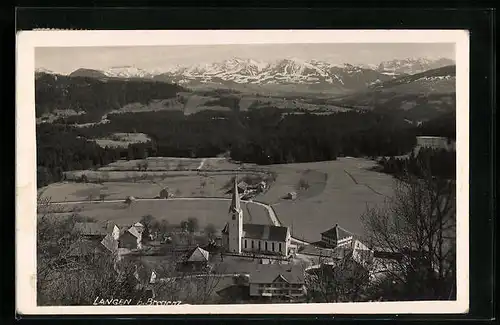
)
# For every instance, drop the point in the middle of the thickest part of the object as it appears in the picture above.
(264, 171)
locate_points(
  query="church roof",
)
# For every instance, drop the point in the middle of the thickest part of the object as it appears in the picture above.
(261, 232)
(264, 232)
(337, 233)
(235, 201)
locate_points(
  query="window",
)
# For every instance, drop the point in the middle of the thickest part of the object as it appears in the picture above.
(279, 247)
(252, 244)
(266, 245)
(273, 246)
(259, 245)
(245, 243)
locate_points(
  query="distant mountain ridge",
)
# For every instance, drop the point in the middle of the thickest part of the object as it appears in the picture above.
(420, 96)
(315, 74)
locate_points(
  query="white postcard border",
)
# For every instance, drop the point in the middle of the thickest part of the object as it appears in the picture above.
(26, 192)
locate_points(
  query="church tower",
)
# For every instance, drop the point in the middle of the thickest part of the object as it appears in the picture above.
(236, 222)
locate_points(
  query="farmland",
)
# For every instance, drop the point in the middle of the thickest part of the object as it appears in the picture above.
(175, 211)
(327, 192)
(122, 139)
(336, 192)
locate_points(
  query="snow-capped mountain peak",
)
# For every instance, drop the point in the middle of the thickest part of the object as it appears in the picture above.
(411, 65)
(43, 70)
(287, 71)
(127, 72)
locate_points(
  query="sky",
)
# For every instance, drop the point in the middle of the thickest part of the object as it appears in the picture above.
(67, 59)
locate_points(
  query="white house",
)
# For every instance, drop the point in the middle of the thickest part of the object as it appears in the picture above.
(277, 281)
(435, 143)
(336, 236)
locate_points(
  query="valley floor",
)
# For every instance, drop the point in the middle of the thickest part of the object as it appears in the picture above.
(327, 193)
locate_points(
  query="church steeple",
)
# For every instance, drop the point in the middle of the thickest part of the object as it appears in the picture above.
(235, 206)
(235, 224)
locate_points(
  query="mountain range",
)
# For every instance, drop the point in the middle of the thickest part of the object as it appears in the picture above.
(313, 74)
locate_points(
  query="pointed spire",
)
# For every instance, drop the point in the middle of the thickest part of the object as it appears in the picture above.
(235, 201)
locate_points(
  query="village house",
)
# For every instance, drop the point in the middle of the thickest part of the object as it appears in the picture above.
(435, 143)
(241, 186)
(86, 250)
(110, 243)
(277, 281)
(238, 237)
(336, 236)
(195, 260)
(130, 239)
(90, 230)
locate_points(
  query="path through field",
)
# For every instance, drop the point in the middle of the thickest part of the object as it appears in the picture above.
(367, 186)
(202, 162)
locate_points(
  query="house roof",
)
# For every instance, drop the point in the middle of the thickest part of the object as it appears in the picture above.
(133, 230)
(110, 243)
(243, 184)
(198, 255)
(85, 247)
(264, 232)
(269, 273)
(90, 228)
(337, 233)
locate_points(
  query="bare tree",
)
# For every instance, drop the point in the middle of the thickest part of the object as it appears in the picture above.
(418, 225)
(189, 288)
(63, 279)
(345, 280)
(129, 200)
(210, 231)
(303, 184)
(192, 224)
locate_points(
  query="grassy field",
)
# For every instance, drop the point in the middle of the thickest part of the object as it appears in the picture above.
(327, 193)
(183, 177)
(334, 197)
(176, 164)
(121, 185)
(122, 140)
(174, 211)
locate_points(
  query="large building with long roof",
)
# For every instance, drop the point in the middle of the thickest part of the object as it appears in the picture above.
(238, 237)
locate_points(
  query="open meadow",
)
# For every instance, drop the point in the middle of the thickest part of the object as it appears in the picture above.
(181, 177)
(327, 193)
(207, 211)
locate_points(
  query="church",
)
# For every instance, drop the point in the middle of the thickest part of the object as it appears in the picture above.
(238, 237)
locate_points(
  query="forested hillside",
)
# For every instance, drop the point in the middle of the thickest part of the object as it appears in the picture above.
(95, 96)
(258, 136)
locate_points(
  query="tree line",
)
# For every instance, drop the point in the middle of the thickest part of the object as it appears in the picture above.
(94, 96)
(256, 136)
(60, 148)
(263, 136)
(440, 163)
